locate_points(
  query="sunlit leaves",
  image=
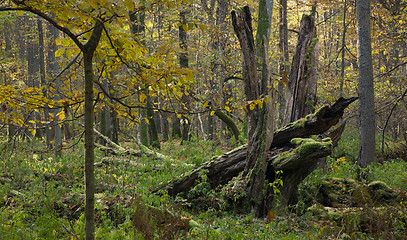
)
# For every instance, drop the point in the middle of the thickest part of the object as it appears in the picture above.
(129, 5)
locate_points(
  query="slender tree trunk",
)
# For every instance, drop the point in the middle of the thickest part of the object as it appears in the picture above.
(88, 52)
(184, 63)
(164, 122)
(115, 127)
(7, 39)
(148, 129)
(43, 83)
(36, 83)
(105, 124)
(366, 90)
(343, 49)
(7, 32)
(29, 58)
(284, 59)
(55, 66)
(154, 140)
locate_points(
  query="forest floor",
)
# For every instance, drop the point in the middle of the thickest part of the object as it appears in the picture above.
(41, 197)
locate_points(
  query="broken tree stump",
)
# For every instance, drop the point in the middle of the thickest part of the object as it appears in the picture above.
(221, 170)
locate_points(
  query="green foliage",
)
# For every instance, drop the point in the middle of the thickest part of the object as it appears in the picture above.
(41, 195)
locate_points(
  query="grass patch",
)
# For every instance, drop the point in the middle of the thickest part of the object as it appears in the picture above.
(42, 196)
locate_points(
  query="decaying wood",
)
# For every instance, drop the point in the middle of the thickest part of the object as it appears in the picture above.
(312, 124)
(342, 199)
(219, 171)
(222, 169)
(119, 150)
(302, 82)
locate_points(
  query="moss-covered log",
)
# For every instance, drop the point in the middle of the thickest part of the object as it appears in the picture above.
(373, 207)
(313, 124)
(219, 171)
(306, 152)
(229, 122)
(283, 154)
(222, 169)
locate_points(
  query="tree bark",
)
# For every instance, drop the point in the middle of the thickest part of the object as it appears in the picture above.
(152, 127)
(41, 60)
(88, 53)
(259, 132)
(184, 63)
(366, 90)
(255, 165)
(343, 49)
(302, 83)
(54, 65)
(284, 59)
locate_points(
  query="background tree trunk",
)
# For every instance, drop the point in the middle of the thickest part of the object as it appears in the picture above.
(55, 66)
(343, 50)
(284, 59)
(366, 90)
(184, 63)
(41, 59)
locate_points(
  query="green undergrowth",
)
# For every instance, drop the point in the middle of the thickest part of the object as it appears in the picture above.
(342, 165)
(42, 197)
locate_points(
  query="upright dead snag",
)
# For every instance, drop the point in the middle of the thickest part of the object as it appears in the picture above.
(302, 83)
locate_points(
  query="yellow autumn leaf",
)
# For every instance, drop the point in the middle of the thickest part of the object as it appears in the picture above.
(143, 97)
(185, 27)
(61, 115)
(58, 41)
(266, 99)
(129, 4)
(66, 42)
(59, 52)
(259, 102)
(33, 131)
(68, 53)
(212, 112)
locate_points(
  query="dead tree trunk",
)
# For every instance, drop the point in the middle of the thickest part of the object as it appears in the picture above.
(302, 83)
(222, 169)
(260, 131)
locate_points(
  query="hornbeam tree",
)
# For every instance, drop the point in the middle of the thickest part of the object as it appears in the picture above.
(87, 25)
(88, 48)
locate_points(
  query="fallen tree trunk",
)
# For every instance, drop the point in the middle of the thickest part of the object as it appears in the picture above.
(313, 124)
(222, 169)
(119, 150)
